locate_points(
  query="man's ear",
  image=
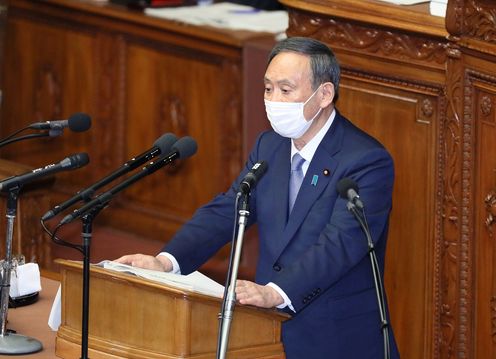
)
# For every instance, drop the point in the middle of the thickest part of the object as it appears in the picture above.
(327, 93)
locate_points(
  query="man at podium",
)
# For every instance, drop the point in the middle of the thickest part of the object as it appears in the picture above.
(313, 261)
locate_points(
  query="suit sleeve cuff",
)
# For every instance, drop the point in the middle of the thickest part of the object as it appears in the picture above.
(287, 301)
(175, 265)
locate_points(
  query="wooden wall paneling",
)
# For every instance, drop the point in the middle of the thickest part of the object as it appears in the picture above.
(482, 91)
(472, 25)
(42, 78)
(138, 77)
(450, 226)
(172, 89)
(393, 87)
(385, 112)
(3, 20)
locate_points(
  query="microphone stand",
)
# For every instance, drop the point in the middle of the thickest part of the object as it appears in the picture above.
(12, 344)
(377, 277)
(86, 234)
(229, 300)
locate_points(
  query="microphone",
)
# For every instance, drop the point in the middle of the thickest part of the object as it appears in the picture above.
(185, 147)
(348, 189)
(78, 122)
(68, 163)
(252, 177)
(162, 145)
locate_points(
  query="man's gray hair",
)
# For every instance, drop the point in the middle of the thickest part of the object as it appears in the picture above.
(323, 63)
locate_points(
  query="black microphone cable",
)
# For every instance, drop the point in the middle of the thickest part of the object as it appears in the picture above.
(57, 240)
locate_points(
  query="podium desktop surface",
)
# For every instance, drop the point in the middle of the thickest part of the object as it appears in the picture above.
(32, 321)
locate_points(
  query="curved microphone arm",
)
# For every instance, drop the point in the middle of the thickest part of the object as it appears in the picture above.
(14, 134)
(10, 140)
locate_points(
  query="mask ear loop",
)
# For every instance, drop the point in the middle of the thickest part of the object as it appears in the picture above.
(317, 89)
(303, 107)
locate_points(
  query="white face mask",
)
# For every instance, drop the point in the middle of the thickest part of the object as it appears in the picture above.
(288, 119)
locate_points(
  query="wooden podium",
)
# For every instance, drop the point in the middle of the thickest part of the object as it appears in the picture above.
(131, 317)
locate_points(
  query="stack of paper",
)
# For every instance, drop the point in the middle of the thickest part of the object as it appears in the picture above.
(195, 282)
(226, 16)
(438, 7)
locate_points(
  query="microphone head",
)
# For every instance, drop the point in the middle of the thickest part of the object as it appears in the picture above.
(165, 142)
(186, 147)
(79, 122)
(75, 161)
(344, 185)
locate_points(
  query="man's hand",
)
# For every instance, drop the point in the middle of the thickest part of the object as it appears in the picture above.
(159, 263)
(258, 295)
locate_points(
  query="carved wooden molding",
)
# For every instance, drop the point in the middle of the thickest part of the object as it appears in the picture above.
(369, 40)
(439, 245)
(427, 108)
(493, 318)
(451, 212)
(458, 203)
(404, 84)
(472, 18)
(480, 21)
(490, 206)
(486, 105)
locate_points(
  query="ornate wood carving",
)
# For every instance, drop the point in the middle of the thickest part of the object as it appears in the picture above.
(367, 39)
(493, 318)
(490, 206)
(454, 17)
(480, 20)
(427, 108)
(486, 105)
(458, 203)
(451, 212)
(473, 18)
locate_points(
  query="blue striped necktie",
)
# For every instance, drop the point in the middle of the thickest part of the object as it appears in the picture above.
(295, 179)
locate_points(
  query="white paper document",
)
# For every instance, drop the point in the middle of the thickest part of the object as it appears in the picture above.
(195, 282)
(226, 16)
(438, 7)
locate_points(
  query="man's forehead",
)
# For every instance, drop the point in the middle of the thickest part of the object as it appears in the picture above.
(288, 65)
(291, 59)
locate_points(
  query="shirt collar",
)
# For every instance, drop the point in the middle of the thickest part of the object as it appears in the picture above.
(310, 148)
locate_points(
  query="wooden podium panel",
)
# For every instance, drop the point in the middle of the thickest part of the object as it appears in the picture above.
(131, 317)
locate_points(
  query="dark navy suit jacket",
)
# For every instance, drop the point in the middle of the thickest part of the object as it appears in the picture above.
(318, 254)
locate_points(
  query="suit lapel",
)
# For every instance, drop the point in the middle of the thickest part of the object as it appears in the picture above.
(315, 180)
(279, 197)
